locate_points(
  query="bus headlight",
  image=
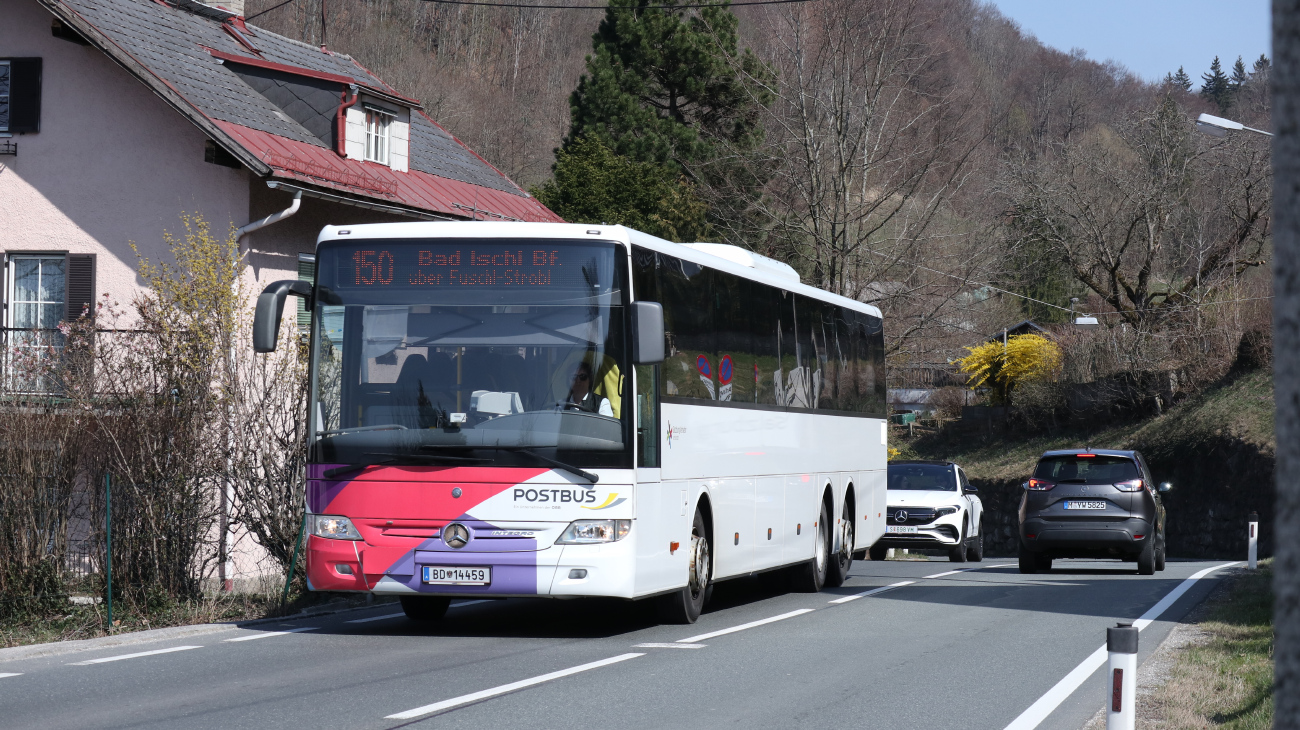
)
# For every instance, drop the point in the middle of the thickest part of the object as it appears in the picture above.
(333, 527)
(587, 532)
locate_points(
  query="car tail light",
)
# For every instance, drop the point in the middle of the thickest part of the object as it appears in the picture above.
(1138, 537)
(1132, 485)
(1039, 485)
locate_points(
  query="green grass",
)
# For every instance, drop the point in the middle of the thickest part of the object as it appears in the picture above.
(1240, 408)
(1227, 682)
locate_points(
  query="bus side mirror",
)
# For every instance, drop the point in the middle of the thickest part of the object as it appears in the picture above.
(647, 333)
(270, 307)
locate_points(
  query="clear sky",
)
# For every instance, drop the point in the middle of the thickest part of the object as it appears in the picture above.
(1150, 37)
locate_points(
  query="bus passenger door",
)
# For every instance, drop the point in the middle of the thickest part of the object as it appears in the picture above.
(769, 522)
(734, 537)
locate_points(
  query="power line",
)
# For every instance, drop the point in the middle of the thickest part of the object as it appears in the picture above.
(607, 7)
(475, 3)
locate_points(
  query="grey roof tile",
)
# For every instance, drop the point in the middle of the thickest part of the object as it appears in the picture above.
(170, 42)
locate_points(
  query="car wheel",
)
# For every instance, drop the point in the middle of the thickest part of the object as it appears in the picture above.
(1147, 558)
(1044, 563)
(842, 560)
(957, 553)
(684, 606)
(425, 608)
(1028, 561)
(878, 552)
(976, 552)
(811, 576)
(1160, 555)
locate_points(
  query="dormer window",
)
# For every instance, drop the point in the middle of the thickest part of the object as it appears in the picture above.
(378, 138)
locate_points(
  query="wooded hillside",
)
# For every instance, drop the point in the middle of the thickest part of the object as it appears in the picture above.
(924, 155)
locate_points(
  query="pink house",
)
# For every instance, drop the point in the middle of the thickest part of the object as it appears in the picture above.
(116, 116)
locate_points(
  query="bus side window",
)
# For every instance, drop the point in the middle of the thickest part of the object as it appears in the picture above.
(690, 368)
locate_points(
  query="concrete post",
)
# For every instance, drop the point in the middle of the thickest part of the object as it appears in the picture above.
(1121, 676)
(1285, 79)
(1252, 537)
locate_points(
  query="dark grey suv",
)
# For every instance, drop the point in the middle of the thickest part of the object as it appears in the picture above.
(1092, 503)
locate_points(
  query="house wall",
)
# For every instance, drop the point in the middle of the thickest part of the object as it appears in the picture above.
(112, 163)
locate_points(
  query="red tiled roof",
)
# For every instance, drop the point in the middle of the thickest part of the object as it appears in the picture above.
(291, 160)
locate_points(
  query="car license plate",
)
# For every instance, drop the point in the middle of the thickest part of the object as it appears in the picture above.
(446, 575)
(1085, 505)
(900, 529)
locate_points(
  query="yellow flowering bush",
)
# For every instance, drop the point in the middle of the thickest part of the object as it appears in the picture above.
(1024, 358)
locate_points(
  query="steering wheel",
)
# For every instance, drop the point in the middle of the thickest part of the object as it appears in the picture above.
(567, 406)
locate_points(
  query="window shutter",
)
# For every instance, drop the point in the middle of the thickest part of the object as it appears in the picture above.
(307, 273)
(24, 95)
(79, 291)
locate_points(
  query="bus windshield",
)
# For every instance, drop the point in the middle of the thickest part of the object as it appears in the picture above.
(470, 351)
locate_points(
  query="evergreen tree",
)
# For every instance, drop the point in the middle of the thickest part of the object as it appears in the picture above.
(1215, 87)
(1259, 72)
(1238, 75)
(592, 184)
(661, 86)
(1179, 80)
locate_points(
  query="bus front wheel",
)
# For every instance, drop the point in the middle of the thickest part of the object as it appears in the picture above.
(684, 606)
(425, 608)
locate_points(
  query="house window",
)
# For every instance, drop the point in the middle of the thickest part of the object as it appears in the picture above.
(20, 95)
(36, 296)
(42, 291)
(377, 137)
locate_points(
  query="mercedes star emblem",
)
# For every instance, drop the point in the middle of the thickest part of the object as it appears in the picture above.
(900, 516)
(456, 535)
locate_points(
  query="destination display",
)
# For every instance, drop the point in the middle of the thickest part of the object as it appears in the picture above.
(472, 264)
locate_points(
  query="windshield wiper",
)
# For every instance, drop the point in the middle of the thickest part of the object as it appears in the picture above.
(384, 427)
(580, 473)
(336, 471)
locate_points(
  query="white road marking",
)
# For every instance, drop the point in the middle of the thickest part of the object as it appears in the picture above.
(10, 674)
(742, 627)
(120, 657)
(471, 603)
(968, 570)
(374, 618)
(506, 688)
(269, 634)
(1046, 704)
(873, 592)
(661, 645)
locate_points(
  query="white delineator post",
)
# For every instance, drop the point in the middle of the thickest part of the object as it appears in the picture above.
(1121, 676)
(1252, 546)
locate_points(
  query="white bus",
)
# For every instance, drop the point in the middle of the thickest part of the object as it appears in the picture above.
(522, 409)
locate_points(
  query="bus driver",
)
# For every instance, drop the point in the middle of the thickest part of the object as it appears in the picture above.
(580, 395)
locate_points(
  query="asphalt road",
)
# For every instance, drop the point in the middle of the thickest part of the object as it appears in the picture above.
(968, 650)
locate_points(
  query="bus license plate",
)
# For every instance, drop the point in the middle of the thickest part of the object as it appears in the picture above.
(447, 575)
(1085, 505)
(900, 529)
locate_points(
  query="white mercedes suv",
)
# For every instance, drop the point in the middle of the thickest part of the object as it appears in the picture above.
(932, 506)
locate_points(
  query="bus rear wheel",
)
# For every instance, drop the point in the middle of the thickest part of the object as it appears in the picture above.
(842, 560)
(684, 606)
(811, 576)
(425, 608)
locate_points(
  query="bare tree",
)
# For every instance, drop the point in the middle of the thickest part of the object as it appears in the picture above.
(870, 140)
(1150, 218)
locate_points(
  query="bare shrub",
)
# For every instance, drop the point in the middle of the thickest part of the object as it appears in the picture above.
(948, 401)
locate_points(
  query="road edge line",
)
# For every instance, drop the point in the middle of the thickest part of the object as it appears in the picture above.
(872, 592)
(1061, 691)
